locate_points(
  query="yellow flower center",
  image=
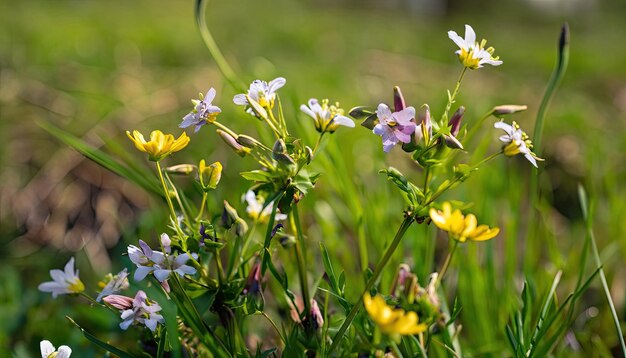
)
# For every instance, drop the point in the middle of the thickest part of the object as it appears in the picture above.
(76, 287)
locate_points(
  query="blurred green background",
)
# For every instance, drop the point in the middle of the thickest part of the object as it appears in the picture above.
(99, 68)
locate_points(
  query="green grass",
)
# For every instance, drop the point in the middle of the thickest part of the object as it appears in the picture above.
(98, 68)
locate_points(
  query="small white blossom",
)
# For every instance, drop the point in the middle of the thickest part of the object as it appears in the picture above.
(64, 282)
(516, 141)
(327, 117)
(48, 350)
(261, 92)
(255, 209)
(472, 54)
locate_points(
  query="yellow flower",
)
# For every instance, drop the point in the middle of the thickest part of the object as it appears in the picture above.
(460, 227)
(160, 145)
(390, 320)
(209, 175)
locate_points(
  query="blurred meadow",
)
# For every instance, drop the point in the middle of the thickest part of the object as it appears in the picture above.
(97, 69)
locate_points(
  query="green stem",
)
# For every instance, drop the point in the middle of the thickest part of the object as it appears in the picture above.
(204, 197)
(246, 242)
(408, 220)
(451, 98)
(300, 259)
(596, 255)
(225, 129)
(166, 192)
(221, 62)
(446, 263)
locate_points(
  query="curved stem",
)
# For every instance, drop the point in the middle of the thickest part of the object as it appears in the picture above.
(210, 43)
(408, 220)
(204, 196)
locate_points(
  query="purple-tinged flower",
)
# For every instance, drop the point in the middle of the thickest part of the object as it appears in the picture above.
(261, 92)
(204, 112)
(64, 282)
(143, 311)
(394, 127)
(114, 284)
(120, 302)
(327, 117)
(145, 258)
(173, 264)
(48, 350)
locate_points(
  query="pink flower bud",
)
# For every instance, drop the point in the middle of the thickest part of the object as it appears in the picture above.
(120, 302)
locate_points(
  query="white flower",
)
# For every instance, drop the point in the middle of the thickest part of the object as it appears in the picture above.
(472, 54)
(143, 311)
(327, 118)
(516, 141)
(48, 350)
(65, 282)
(255, 209)
(261, 92)
(204, 112)
(115, 284)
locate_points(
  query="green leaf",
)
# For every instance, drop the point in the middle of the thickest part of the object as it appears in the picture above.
(328, 267)
(258, 176)
(109, 348)
(147, 182)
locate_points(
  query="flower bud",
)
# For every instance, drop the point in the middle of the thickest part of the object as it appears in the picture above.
(455, 121)
(404, 271)
(508, 109)
(361, 112)
(253, 282)
(247, 141)
(209, 175)
(229, 216)
(398, 100)
(423, 119)
(279, 147)
(118, 301)
(285, 240)
(309, 154)
(316, 315)
(184, 169)
(232, 142)
(452, 142)
(240, 227)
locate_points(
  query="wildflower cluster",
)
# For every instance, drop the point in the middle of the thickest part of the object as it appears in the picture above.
(217, 266)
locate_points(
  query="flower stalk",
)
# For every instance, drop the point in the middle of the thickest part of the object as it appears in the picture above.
(404, 226)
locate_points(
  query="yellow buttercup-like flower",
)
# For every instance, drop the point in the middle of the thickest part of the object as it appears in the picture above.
(392, 320)
(160, 145)
(459, 226)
